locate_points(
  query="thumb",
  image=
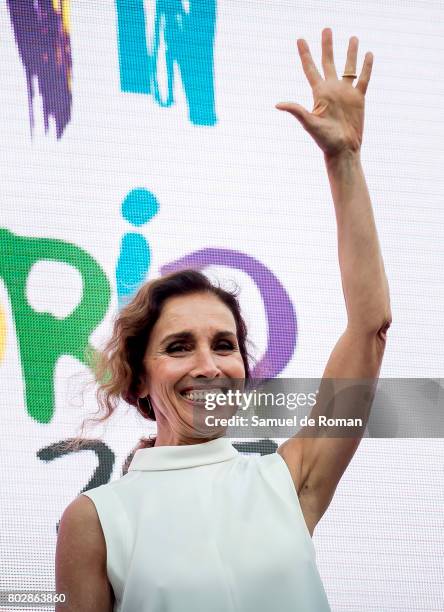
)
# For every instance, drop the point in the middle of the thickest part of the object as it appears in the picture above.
(298, 111)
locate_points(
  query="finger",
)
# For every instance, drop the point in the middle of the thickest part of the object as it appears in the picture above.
(352, 59)
(366, 72)
(328, 63)
(298, 111)
(311, 72)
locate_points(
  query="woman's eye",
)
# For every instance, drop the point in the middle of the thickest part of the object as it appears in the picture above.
(225, 345)
(176, 348)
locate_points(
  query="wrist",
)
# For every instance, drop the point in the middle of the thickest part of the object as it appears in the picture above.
(344, 162)
(346, 155)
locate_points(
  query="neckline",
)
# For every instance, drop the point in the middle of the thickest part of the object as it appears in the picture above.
(180, 457)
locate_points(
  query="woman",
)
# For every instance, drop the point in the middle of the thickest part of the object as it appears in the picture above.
(194, 525)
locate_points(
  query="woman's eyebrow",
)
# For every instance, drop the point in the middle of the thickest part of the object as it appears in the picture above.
(224, 334)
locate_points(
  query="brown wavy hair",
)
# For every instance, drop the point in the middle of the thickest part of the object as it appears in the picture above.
(118, 368)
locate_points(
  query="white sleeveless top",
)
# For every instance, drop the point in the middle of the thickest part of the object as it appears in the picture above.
(202, 528)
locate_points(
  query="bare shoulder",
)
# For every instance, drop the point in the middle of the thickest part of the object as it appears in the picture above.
(80, 563)
(82, 507)
(81, 524)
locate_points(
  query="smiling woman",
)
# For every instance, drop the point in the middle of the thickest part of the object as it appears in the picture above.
(179, 336)
(194, 525)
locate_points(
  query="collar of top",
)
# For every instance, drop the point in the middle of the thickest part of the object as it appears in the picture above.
(186, 456)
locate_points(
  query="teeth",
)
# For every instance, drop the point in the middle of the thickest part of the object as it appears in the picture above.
(200, 396)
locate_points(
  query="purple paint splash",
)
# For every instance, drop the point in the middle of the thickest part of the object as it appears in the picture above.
(42, 36)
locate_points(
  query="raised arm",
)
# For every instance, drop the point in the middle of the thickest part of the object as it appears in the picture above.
(336, 124)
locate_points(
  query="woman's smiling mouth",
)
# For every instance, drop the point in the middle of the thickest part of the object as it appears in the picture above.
(200, 396)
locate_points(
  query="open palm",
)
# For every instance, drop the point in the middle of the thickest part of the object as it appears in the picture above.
(336, 122)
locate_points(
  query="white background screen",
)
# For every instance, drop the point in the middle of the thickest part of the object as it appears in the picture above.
(170, 109)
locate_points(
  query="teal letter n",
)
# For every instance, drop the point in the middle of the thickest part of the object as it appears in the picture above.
(189, 41)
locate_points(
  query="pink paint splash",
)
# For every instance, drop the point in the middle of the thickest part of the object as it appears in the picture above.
(42, 35)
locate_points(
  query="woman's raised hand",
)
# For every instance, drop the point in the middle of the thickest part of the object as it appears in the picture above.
(336, 122)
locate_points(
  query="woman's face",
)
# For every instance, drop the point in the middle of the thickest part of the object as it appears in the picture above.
(193, 344)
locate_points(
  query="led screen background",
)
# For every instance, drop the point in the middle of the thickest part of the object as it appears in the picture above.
(136, 137)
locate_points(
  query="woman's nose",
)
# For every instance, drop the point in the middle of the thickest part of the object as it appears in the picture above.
(205, 365)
